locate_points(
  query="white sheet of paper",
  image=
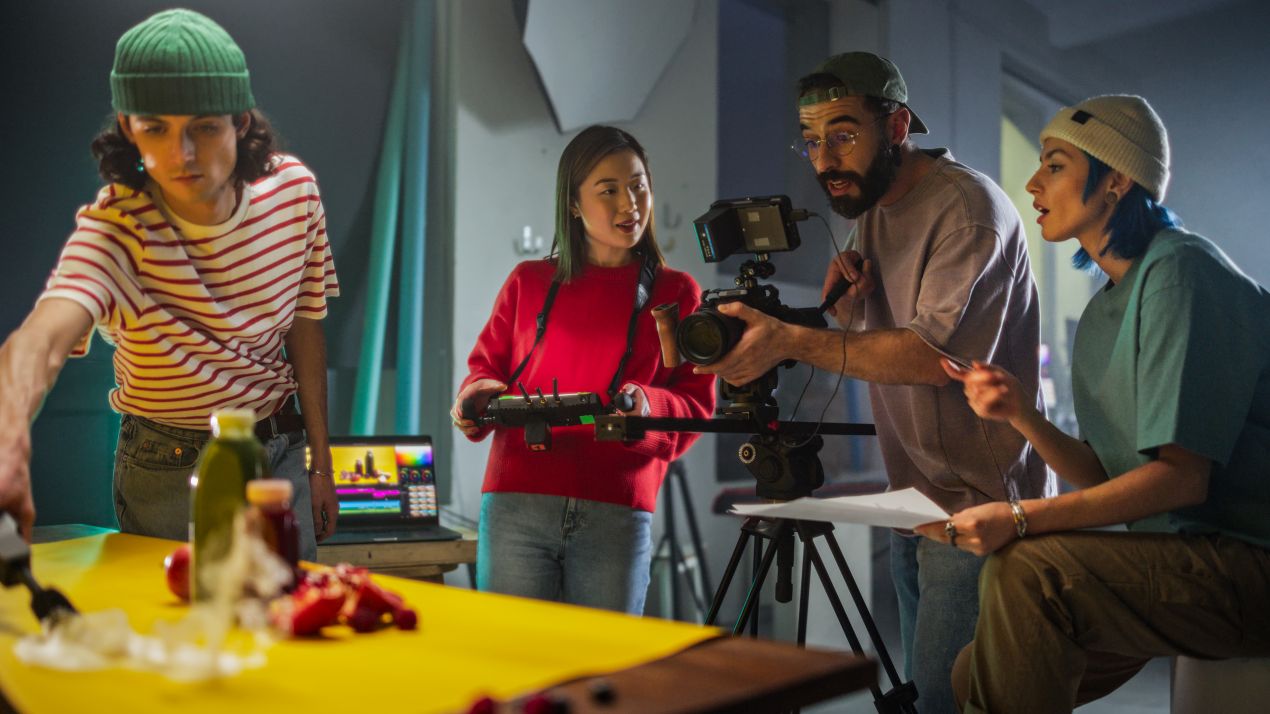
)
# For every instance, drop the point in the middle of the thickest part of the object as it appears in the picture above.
(905, 508)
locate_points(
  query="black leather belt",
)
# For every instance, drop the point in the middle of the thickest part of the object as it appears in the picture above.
(288, 420)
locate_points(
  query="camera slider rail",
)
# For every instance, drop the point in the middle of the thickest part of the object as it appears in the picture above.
(618, 427)
(781, 455)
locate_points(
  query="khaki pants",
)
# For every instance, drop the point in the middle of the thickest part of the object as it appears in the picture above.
(1067, 618)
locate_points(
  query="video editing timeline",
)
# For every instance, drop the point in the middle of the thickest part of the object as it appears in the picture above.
(385, 481)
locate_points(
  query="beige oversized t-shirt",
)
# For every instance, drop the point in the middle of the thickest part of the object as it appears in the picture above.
(951, 264)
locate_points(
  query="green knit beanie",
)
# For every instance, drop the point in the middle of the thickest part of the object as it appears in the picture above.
(179, 62)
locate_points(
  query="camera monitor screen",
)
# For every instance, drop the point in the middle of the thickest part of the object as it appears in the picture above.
(754, 225)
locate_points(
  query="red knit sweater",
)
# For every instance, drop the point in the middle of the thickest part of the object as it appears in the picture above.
(585, 338)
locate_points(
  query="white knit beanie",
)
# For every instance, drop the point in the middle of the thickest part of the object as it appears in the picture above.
(1123, 132)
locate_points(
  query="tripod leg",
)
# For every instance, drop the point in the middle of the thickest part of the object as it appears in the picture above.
(902, 695)
(803, 597)
(869, 625)
(680, 565)
(756, 585)
(671, 537)
(693, 531)
(728, 573)
(750, 610)
(663, 545)
(835, 602)
(785, 569)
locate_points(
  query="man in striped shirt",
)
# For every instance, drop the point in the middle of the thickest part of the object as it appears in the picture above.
(206, 263)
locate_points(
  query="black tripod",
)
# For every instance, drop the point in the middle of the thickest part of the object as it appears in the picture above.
(785, 466)
(780, 532)
(676, 478)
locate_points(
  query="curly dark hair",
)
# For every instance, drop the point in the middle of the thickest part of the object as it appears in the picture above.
(118, 159)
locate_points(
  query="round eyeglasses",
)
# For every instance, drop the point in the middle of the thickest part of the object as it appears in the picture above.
(840, 143)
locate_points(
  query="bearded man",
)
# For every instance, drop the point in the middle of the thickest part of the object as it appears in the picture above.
(939, 266)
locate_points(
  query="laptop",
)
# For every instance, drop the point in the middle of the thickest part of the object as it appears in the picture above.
(387, 490)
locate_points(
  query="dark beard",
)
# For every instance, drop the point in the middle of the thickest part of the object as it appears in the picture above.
(873, 184)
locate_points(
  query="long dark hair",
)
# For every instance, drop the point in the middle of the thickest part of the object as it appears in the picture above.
(578, 160)
(118, 160)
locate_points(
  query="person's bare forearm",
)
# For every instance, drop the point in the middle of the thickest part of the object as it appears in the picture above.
(306, 350)
(28, 370)
(1175, 480)
(30, 361)
(34, 354)
(1071, 459)
(895, 356)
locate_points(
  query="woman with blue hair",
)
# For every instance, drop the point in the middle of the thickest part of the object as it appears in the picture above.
(1171, 381)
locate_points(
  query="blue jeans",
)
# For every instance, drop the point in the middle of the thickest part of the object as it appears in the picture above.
(153, 464)
(938, 591)
(564, 549)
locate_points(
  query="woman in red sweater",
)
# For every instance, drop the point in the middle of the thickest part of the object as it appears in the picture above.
(573, 524)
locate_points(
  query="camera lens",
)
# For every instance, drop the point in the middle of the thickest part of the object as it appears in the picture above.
(705, 336)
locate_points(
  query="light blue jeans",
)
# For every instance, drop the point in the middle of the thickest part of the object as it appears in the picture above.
(564, 549)
(938, 592)
(153, 463)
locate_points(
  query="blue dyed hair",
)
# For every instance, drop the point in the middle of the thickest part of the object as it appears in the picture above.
(1134, 222)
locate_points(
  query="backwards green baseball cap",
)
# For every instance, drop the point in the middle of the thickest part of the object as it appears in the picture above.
(863, 74)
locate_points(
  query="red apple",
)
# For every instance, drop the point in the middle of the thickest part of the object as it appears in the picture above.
(177, 566)
(405, 618)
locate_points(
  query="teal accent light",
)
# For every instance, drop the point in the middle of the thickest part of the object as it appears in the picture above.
(401, 196)
(414, 222)
(382, 247)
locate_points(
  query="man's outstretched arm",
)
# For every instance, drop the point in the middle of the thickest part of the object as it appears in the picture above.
(893, 356)
(30, 360)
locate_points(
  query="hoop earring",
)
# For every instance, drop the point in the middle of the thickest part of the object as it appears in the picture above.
(1112, 198)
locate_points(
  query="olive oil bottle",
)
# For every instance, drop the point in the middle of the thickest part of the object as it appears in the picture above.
(230, 459)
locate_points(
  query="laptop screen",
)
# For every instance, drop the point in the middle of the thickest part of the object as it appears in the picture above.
(385, 480)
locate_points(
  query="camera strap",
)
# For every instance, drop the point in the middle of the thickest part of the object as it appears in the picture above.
(643, 291)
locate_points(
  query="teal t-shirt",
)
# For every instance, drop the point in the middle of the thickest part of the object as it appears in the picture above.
(1179, 353)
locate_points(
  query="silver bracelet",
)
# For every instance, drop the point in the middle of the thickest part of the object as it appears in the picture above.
(315, 472)
(1020, 518)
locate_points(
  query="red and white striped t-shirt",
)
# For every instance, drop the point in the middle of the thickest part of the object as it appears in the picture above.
(198, 313)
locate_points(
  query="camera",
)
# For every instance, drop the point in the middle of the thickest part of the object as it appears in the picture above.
(784, 464)
(705, 336)
(761, 226)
